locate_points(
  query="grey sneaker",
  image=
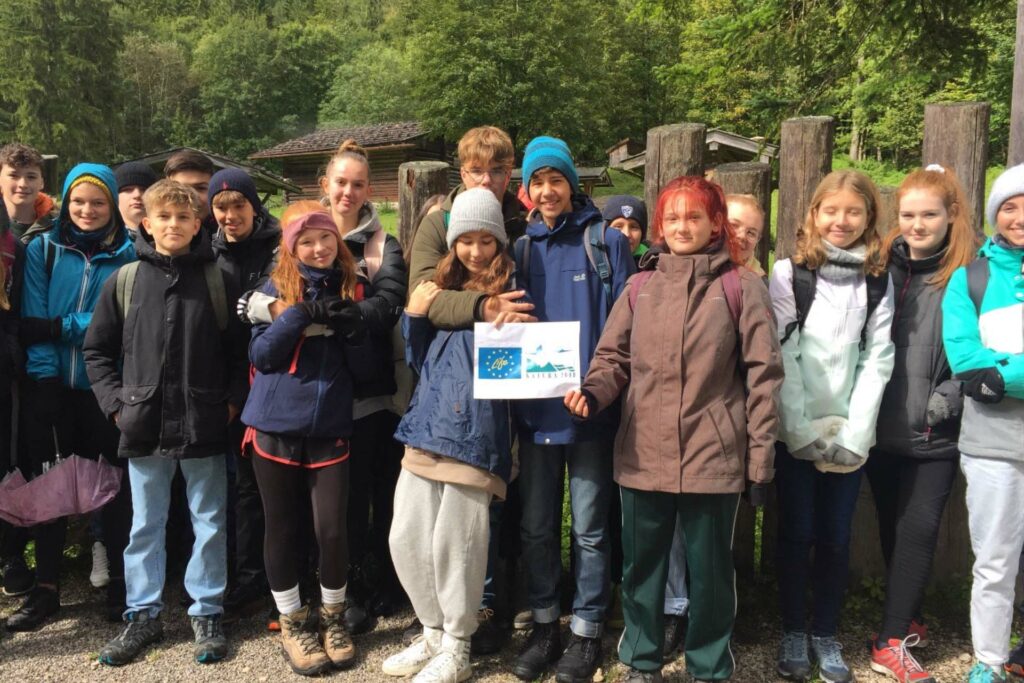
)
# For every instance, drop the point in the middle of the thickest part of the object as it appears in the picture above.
(211, 645)
(831, 666)
(140, 631)
(794, 662)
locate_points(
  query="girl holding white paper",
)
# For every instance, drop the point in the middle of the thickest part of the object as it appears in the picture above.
(457, 455)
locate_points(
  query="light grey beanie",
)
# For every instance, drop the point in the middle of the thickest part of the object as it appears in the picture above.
(1010, 183)
(475, 210)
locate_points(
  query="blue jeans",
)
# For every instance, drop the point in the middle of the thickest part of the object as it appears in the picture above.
(677, 597)
(541, 477)
(145, 558)
(815, 510)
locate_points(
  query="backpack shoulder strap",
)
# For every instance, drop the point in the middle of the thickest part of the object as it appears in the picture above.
(805, 281)
(124, 286)
(522, 256)
(597, 254)
(218, 297)
(877, 286)
(977, 280)
(50, 254)
(733, 292)
(373, 253)
(636, 284)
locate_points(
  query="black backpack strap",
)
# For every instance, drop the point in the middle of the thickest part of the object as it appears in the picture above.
(50, 252)
(877, 286)
(977, 280)
(805, 281)
(522, 257)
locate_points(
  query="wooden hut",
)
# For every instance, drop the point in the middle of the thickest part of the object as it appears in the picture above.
(388, 145)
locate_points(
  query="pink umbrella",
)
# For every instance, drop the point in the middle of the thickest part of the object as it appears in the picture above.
(71, 486)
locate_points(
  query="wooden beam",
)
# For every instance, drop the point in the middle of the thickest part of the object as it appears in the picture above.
(805, 157)
(1016, 154)
(956, 136)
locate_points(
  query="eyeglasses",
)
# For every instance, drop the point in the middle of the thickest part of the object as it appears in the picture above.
(478, 174)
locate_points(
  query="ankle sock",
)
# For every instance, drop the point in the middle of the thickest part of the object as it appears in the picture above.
(332, 596)
(287, 601)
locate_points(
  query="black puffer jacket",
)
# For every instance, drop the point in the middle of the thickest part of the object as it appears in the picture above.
(250, 262)
(179, 370)
(921, 364)
(12, 357)
(383, 302)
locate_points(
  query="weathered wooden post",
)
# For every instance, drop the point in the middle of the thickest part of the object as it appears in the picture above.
(753, 178)
(956, 136)
(417, 181)
(1016, 155)
(672, 151)
(888, 212)
(805, 157)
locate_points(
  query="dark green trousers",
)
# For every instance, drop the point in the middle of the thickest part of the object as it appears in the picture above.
(648, 522)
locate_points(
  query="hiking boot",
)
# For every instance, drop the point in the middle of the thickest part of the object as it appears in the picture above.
(637, 676)
(894, 660)
(114, 605)
(412, 659)
(542, 649)
(579, 661)
(100, 574)
(831, 667)
(794, 662)
(334, 635)
(244, 600)
(140, 631)
(300, 643)
(983, 673)
(210, 644)
(675, 634)
(40, 605)
(489, 636)
(450, 665)
(523, 620)
(358, 619)
(18, 578)
(1015, 664)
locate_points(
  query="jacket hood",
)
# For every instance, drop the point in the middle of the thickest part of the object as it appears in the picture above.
(105, 176)
(200, 250)
(583, 213)
(900, 256)
(1000, 253)
(369, 223)
(265, 227)
(716, 256)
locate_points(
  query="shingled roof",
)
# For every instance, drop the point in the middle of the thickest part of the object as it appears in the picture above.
(328, 139)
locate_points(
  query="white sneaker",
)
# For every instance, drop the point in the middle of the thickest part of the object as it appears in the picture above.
(100, 574)
(451, 665)
(413, 658)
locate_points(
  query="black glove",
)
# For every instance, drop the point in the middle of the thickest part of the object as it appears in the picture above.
(318, 310)
(345, 318)
(39, 330)
(756, 494)
(984, 385)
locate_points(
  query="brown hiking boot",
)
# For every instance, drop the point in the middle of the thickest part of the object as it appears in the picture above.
(300, 643)
(334, 633)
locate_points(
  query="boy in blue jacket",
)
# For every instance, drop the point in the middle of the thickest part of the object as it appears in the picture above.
(561, 275)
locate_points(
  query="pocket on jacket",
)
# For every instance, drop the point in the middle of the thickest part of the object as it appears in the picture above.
(207, 415)
(728, 462)
(139, 417)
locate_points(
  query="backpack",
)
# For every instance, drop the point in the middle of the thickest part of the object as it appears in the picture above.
(125, 286)
(730, 284)
(805, 282)
(977, 280)
(597, 253)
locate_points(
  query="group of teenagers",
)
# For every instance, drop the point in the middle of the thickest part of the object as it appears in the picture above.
(342, 382)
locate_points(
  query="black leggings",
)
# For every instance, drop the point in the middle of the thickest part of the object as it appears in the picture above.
(284, 489)
(910, 495)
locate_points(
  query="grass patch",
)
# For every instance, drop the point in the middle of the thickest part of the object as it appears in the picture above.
(622, 183)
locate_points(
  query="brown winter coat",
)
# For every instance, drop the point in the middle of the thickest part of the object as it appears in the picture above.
(690, 422)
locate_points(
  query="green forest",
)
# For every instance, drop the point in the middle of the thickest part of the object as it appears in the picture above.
(107, 80)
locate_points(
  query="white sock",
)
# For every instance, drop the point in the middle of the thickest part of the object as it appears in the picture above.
(332, 596)
(287, 601)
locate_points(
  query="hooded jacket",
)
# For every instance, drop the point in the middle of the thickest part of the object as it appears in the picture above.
(455, 310)
(46, 214)
(166, 368)
(995, 338)
(920, 364)
(71, 288)
(563, 286)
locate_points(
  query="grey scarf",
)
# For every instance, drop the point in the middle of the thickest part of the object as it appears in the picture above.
(842, 264)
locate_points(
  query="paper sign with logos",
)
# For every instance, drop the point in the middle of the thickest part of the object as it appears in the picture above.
(526, 360)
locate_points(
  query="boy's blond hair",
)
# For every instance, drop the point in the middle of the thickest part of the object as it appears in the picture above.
(165, 192)
(487, 143)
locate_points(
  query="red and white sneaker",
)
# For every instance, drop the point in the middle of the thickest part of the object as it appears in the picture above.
(896, 662)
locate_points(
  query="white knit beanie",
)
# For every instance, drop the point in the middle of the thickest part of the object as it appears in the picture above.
(476, 210)
(1009, 184)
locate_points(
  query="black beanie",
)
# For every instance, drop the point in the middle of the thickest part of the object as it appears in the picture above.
(626, 206)
(134, 173)
(237, 180)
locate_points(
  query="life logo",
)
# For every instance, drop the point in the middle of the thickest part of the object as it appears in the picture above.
(500, 363)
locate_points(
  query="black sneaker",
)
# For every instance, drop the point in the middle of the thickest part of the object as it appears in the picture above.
(358, 619)
(18, 578)
(140, 631)
(211, 645)
(243, 601)
(637, 676)
(579, 661)
(40, 605)
(116, 598)
(542, 649)
(675, 634)
(489, 636)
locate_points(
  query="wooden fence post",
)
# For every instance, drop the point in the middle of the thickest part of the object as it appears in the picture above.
(1016, 155)
(753, 178)
(805, 157)
(417, 181)
(956, 136)
(672, 151)
(888, 212)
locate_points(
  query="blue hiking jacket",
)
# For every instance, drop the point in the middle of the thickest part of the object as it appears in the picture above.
(70, 290)
(564, 286)
(443, 417)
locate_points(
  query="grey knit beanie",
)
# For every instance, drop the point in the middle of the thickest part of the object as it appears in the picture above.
(473, 210)
(1009, 184)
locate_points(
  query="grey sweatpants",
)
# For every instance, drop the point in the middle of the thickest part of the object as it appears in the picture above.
(438, 540)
